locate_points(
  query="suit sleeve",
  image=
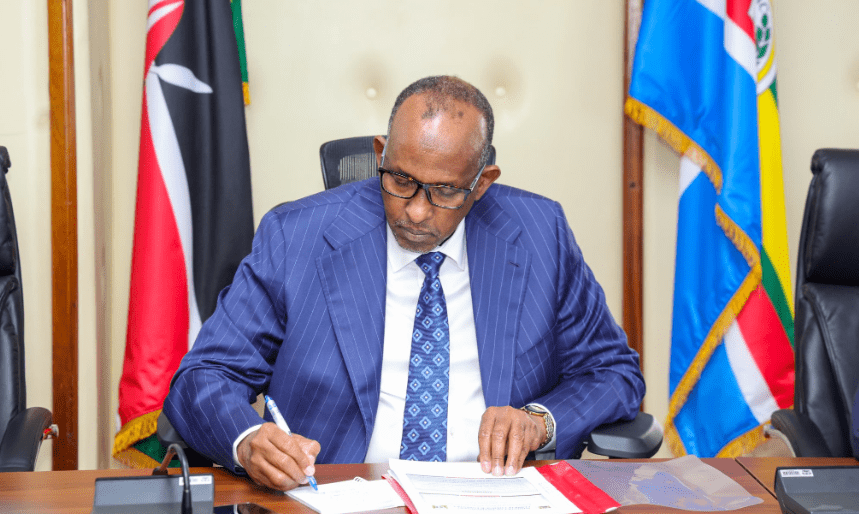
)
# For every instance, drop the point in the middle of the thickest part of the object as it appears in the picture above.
(231, 361)
(600, 378)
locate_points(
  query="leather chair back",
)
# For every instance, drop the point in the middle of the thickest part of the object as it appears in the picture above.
(13, 389)
(352, 159)
(827, 303)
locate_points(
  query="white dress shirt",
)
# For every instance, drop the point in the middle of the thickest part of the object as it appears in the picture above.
(466, 404)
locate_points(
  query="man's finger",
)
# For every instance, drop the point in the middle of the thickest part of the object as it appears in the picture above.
(311, 449)
(530, 441)
(516, 438)
(499, 444)
(484, 435)
(273, 477)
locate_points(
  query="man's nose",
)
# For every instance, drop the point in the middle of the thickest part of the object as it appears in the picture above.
(418, 207)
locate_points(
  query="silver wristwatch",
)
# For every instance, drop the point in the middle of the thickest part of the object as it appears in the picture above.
(536, 410)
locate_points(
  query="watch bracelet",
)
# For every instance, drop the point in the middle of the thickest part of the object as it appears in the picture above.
(548, 422)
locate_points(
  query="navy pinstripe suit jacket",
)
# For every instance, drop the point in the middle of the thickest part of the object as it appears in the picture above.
(304, 321)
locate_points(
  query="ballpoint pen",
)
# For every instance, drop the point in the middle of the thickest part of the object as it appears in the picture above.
(281, 424)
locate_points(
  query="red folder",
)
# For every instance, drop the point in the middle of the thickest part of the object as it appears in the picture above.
(578, 489)
(399, 490)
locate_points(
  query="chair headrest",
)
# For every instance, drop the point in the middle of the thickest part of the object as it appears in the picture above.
(830, 243)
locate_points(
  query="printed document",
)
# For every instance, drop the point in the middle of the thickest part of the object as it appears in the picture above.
(462, 487)
(356, 495)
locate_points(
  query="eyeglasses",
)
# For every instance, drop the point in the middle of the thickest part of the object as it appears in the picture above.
(403, 186)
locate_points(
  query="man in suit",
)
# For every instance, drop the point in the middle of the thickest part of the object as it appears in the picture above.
(521, 352)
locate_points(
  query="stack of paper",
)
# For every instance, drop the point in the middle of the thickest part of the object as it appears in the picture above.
(463, 488)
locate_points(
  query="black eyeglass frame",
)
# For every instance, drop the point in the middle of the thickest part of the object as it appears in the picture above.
(425, 187)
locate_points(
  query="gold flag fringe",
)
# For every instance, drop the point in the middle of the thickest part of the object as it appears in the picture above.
(136, 429)
(647, 117)
(740, 446)
(134, 458)
(743, 444)
(740, 239)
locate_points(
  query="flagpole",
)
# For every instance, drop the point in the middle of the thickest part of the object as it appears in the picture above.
(64, 240)
(633, 198)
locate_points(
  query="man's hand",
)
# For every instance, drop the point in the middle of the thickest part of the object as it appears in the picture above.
(277, 460)
(505, 431)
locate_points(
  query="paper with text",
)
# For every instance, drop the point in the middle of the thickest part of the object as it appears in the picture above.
(462, 487)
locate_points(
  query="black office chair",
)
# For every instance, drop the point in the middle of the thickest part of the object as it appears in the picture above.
(826, 334)
(21, 429)
(352, 159)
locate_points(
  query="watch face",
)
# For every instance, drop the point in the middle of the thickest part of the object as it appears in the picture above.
(534, 409)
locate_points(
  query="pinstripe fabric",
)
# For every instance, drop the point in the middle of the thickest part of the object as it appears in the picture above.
(304, 320)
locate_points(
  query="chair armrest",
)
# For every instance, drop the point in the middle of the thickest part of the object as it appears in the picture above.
(23, 438)
(803, 435)
(636, 439)
(168, 435)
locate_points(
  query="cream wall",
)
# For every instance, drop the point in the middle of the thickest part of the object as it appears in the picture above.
(552, 71)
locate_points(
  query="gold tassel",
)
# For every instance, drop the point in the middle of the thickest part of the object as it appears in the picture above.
(680, 142)
(136, 429)
(743, 444)
(134, 458)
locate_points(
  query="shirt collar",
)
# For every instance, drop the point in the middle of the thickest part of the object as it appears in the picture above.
(453, 249)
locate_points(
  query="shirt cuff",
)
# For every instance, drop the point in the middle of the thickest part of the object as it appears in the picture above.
(550, 446)
(238, 440)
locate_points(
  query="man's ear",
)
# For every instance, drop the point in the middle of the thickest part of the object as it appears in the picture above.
(490, 174)
(379, 147)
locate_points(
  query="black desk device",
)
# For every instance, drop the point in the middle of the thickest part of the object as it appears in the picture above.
(818, 489)
(158, 492)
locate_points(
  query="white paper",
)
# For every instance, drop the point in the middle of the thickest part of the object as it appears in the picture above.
(463, 488)
(356, 495)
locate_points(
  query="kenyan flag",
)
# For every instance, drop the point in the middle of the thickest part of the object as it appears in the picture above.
(193, 219)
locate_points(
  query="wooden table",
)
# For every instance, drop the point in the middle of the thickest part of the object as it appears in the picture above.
(72, 491)
(763, 468)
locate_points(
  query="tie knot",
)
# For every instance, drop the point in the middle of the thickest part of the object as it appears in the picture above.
(430, 263)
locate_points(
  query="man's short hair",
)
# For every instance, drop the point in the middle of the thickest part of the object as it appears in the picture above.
(443, 88)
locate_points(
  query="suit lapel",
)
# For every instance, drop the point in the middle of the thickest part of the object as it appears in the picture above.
(353, 277)
(498, 273)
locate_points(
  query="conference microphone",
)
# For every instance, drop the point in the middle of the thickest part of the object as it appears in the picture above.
(175, 449)
(159, 492)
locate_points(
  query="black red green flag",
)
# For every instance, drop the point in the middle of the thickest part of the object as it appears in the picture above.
(193, 218)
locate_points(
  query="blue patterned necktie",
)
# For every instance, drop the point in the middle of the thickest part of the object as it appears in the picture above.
(425, 416)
